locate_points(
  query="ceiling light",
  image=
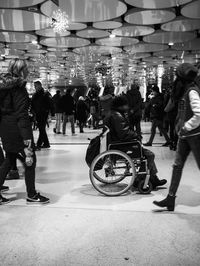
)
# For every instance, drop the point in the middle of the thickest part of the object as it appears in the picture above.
(112, 35)
(34, 42)
(170, 43)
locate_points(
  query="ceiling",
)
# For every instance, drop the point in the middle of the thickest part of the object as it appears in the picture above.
(106, 39)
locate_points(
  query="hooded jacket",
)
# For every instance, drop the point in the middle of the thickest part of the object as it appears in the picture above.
(15, 125)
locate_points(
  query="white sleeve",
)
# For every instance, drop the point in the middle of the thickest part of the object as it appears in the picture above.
(194, 121)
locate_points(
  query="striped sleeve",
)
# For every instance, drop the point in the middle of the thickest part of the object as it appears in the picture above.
(194, 121)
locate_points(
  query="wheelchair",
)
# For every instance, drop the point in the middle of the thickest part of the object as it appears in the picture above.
(122, 167)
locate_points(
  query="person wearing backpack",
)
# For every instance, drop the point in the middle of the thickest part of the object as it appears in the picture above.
(16, 130)
(187, 95)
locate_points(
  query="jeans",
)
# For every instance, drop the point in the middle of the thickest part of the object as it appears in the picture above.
(1, 156)
(81, 126)
(69, 118)
(184, 147)
(158, 123)
(136, 124)
(150, 156)
(29, 171)
(58, 122)
(41, 123)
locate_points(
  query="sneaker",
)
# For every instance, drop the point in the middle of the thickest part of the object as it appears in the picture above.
(4, 188)
(3, 200)
(74, 134)
(54, 130)
(148, 144)
(37, 199)
(13, 174)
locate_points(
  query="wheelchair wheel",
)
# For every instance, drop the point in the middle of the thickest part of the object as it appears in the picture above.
(143, 190)
(112, 173)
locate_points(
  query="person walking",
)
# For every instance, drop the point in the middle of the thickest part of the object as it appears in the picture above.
(41, 106)
(81, 113)
(15, 128)
(58, 111)
(187, 95)
(68, 107)
(156, 114)
(135, 108)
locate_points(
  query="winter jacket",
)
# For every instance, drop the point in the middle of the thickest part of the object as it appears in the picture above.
(57, 103)
(81, 111)
(15, 125)
(119, 128)
(135, 103)
(42, 104)
(68, 104)
(156, 107)
(188, 119)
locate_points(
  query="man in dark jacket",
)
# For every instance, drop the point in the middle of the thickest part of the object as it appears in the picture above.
(156, 107)
(58, 110)
(120, 131)
(135, 108)
(41, 106)
(68, 107)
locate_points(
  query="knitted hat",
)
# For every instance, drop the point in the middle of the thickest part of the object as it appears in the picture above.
(187, 72)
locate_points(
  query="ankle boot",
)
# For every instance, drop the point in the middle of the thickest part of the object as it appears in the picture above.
(156, 182)
(168, 202)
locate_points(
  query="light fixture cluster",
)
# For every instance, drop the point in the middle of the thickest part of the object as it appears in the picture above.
(59, 21)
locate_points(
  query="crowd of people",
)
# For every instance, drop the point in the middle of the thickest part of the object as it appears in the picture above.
(176, 113)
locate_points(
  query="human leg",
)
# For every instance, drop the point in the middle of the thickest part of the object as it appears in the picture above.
(71, 120)
(65, 119)
(163, 131)
(1, 156)
(153, 133)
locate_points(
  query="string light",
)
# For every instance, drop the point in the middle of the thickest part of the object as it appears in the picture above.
(59, 21)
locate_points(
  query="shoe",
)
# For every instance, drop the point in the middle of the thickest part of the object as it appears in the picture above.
(37, 199)
(168, 202)
(37, 148)
(3, 200)
(54, 130)
(148, 144)
(13, 174)
(4, 188)
(156, 182)
(59, 133)
(167, 144)
(73, 134)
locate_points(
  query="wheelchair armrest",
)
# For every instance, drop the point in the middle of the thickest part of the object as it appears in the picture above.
(122, 144)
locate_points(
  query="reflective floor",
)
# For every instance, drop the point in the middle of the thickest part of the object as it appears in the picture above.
(82, 227)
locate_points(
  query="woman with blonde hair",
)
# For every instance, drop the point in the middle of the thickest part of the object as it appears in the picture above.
(15, 128)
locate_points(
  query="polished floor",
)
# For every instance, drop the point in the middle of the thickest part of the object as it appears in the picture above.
(82, 227)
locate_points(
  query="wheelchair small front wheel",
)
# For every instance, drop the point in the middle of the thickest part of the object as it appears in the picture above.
(112, 173)
(143, 190)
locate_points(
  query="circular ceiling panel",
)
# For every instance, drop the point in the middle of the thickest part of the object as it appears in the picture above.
(169, 53)
(64, 42)
(76, 26)
(49, 32)
(145, 48)
(22, 20)
(52, 49)
(169, 37)
(16, 37)
(156, 4)
(87, 10)
(182, 24)
(191, 45)
(117, 41)
(24, 46)
(18, 3)
(92, 33)
(191, 10)
(38, 51)
(149, 17)
(140, 55)
(104, 50)
(133, 31)
(106, 25)
(11, 52)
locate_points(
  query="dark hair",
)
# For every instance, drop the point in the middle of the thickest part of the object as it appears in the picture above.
(155, 88)
(38, 83)
(118, 101)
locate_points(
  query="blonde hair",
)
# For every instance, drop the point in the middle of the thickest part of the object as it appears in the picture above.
(17, 66)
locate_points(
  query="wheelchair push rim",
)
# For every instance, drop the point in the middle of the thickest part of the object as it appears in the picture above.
(115, 176)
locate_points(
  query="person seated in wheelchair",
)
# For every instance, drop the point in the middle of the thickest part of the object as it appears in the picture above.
(120, 131)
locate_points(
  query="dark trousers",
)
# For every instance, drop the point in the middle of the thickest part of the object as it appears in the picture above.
(184, 147)
(150, 156)
(1, 156)
(29, 171)
(81, 126)
(41, 123)
(136, 124)
(158, 124)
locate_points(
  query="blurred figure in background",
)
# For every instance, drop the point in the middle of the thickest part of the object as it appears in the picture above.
(94, 111)
(41, 106)
(156, 108)
(81, 113)
(135, 108)
(58, 111)
(68, 108)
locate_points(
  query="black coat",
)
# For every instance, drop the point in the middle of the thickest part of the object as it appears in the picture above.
(156, 107)
(135, 103)
(15, 125)
(68, 104)
(57, 103)
(81, 111)
(119, 128)
(42, 104)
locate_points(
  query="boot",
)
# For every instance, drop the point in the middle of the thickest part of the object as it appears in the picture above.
(13, 174)
(156, 182)
(168, 202)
